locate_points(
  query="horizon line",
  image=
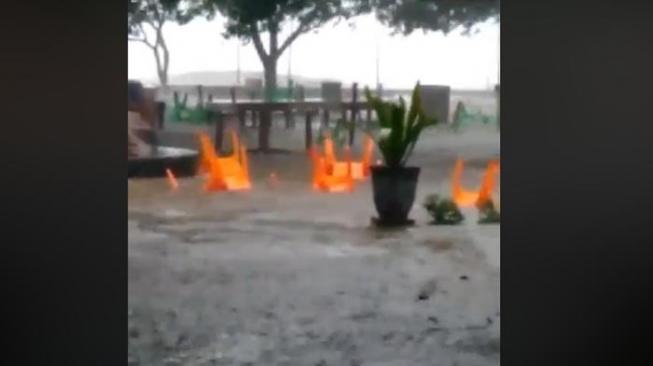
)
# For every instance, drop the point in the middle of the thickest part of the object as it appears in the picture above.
(153, 80)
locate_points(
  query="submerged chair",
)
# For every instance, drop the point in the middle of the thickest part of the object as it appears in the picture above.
(463, 116)
(435, 100)
(224, 173)
(359, 169)
(326, 181)
(467, 198)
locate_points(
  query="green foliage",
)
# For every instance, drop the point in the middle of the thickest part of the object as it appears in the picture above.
(443, 211)
(249, 19)
(406, 16)
(156, 13)
(247, 16)
(399, 128)
(488, 214)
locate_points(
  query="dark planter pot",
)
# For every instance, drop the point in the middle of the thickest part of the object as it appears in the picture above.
(394, 193)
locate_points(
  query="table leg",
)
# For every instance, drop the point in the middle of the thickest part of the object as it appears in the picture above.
(161, 109)
(264, 130)
(241, 120)
(219, 130)
(352, 126)
(287, 115)
(326, 118)
(309, 130)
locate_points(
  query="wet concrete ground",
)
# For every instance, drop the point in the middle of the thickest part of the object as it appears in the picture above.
(287, 276)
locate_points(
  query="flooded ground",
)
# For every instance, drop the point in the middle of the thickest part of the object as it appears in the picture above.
(281, 275)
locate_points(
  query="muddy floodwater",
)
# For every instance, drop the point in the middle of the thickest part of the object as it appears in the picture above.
(282, 275)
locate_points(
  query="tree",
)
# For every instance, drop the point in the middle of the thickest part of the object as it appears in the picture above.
(249, 19)
(152, 15)
(406, 16)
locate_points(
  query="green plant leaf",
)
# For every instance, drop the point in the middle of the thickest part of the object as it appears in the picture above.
(415, 106)
(404, 124)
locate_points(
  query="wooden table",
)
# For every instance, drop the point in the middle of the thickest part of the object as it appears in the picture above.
(264, 109)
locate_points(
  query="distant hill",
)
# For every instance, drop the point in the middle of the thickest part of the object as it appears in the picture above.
(217, 78)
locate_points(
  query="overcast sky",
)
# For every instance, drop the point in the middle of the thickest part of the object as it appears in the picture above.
(339, 52)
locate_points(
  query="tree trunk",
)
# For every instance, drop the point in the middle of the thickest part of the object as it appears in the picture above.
(163, 78)
(161, 65)
(270, 64)
(270, 74)
(163, 73)
(162, 57)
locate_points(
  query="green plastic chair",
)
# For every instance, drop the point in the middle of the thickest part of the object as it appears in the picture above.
(462, 117)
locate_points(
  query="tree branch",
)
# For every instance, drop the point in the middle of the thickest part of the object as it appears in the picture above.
(151, 24)
(304, 26)
(157, 14)
(159, 35)
(258, 44)
(273, 49)
(137, 39)
(291, 38)
(142, 39)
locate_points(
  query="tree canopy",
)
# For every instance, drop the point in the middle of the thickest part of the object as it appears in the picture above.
(406, 16)
(249, 19)
(157, 12)
(246, 18)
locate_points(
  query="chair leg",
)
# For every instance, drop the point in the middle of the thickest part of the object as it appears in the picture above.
(325, 120)
(241, 120)
(220, 120)
(288, 116)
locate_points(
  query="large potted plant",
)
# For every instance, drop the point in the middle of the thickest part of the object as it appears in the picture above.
(394, 183)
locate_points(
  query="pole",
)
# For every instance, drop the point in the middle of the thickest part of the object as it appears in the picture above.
(290, 59)
(289, 64)
(379, 90)
(378, 82)
(238, 63)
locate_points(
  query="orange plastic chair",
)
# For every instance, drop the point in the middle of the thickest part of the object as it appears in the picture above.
(466, 198)
(359, 169)
(326, 182)
(224, 173)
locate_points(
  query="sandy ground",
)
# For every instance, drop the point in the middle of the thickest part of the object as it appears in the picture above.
(286, 276)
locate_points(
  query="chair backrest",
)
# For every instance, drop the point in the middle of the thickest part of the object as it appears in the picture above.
(331, 92)
(435, 101)
(300, 93)
(254, 87)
